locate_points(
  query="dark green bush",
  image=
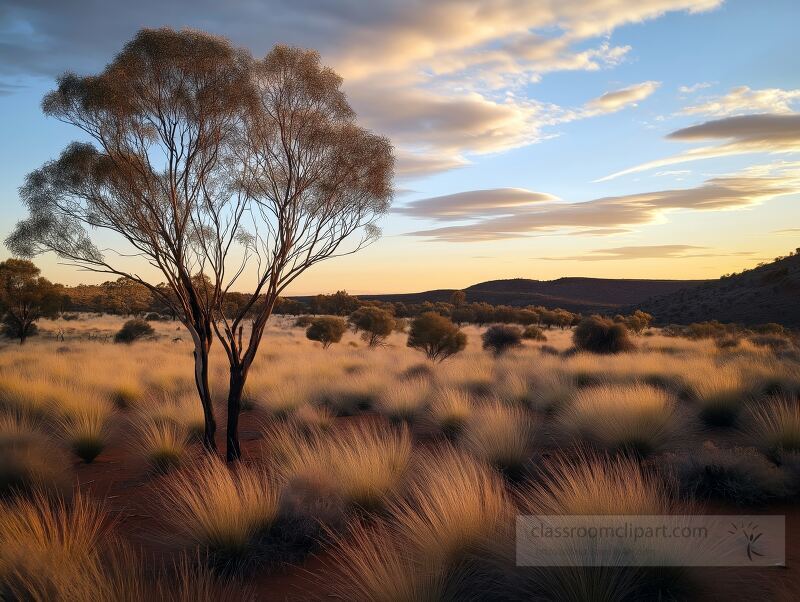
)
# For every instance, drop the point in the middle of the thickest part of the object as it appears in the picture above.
(500, 338)
(327, 330)
(436, 336)
(133, 330)
(601, 335)
(534, 333)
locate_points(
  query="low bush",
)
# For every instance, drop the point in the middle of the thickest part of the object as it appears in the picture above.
(374, 323)
(534, 333)
(133, 330)
(741, 476)
(500, 338)
(327, 330)
(436, 336)
(601, 335)
(303, 321)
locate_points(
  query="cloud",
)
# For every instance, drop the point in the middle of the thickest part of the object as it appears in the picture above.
(786, 231)
(445, 79)
(745, 100)
(619, 99)
(645, 252)
(744, 134)
(498, 201)
(694, 87)
(735, 191)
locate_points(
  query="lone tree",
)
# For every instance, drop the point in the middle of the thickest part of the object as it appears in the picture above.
(374, 323)
(436, 336)
(24, 298)
(327, 330)
(213, 167)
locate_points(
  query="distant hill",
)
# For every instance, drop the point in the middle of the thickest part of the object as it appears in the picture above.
(767, 293)
(574, 294)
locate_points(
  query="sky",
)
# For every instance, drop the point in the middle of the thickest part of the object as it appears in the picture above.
(534, 139)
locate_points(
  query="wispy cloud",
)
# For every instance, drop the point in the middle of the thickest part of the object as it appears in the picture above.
(619, 99)
(647, 252)
(744, 134)
(745, 100)
(491, 219)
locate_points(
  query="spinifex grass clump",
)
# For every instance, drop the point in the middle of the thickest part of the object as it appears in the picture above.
(220, 508)
(360, 464)
(30, 461)
(404, 400)
(501, 436)
(634, 418)
(775, 426)
(163, 444)
(721, 396)
(450, 410)
(84, 424)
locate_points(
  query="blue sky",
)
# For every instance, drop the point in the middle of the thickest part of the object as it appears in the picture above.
(481, 97)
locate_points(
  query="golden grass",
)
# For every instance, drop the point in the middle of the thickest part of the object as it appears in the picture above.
(501, 436)
(83, 423)
(596, 485)
(163, 445)
(453, 506)
(551, 391)
(721, 395)
(636, 418)
(210, 505)
(377, 564)
(30, 461)
(183, 411)
(404, 400)
(775, 426)
(361, 463)
(450, 410)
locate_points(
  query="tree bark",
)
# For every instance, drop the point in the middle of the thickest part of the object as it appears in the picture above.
(238, 377)
(201, 354)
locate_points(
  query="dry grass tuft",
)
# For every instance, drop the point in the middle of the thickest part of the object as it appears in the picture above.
(551, 391)
(163, 444)
(450, 410)
(404, 400)
(721, 396)
(218, 508)
(360, 463)
(501, 436)
(84, 424)
(633, 418)
(30, 461)
(775, 426)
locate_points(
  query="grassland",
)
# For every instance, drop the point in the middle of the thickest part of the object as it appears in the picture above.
(371, 474)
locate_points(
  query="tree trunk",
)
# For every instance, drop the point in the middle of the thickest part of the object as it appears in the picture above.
(236, 386)
(204, 391)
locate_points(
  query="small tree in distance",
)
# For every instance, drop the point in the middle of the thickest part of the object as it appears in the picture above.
(327, 330)
(25, 297)
(375, 323)
(500, 338)
(436, 336)
(133, 330)
(601, 335)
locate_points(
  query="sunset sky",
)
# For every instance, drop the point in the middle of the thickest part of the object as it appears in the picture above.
(537, 139)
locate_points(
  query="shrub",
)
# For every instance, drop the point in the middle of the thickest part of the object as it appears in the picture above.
(436, 336)
(533, 333)
(133, 330)
(219, 509)
(500, 338)
(153, 316)
(501, 436)
(29, 461)
(303, 321)
(601, 335)
(741, 476)
(775, 426)
(635, 418)
(375, 323)
(327, 330)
